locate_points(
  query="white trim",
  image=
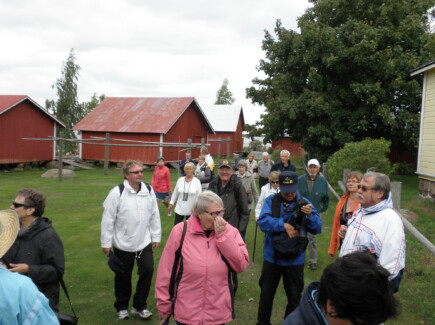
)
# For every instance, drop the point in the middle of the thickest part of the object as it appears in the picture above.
(161, 148)
(79, 137)
(54, 141)
(423, 99)
(423, 69)
(425, 174)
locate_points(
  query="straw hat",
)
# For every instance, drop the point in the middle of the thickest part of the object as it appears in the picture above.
(9, 226)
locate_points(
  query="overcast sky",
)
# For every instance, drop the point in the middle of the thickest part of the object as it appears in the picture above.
(138, 48)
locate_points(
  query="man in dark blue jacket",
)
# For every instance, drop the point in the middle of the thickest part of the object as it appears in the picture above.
(353, 290)
(277, 218)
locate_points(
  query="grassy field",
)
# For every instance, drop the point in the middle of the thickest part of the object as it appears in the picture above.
(75, 207)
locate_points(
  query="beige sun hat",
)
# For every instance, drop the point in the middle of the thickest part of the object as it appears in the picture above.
(9, 226)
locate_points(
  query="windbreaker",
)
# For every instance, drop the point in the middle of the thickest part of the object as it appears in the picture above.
(131, 221)
(21, 302)
(161, 180)
(270, 225)
(379, 229)
(203, 295)
(266, 191)
(319, 195)
(40, 247)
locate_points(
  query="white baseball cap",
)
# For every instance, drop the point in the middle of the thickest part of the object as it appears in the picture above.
(313, 162)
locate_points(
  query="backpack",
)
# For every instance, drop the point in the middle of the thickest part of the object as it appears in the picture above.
(121, 188)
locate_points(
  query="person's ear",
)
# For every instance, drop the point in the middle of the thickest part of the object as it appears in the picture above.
(330, 310)
(30, 211)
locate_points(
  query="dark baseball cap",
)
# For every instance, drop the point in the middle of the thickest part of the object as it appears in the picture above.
(288, 182)
(225, 163)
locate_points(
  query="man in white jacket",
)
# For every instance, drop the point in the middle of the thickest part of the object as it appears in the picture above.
(376, 226)
(131, 224)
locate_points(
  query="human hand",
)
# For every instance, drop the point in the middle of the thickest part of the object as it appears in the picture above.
(290, 230)
(256, 219)
(342, 231)
(219, 225)
(307, 209)
(331, 256)
(106, 251)
(19, 268)
(155, 245)
(169, 208)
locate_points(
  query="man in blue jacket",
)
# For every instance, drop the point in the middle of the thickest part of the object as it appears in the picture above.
(278, 217)
(314, 187)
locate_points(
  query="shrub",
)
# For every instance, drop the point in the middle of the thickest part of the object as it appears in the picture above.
(369, 153)
(403, 169)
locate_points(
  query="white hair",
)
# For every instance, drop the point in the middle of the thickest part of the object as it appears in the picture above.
(264, 154)
(284, 152)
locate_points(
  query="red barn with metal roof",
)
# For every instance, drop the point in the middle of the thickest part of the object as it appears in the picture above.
(228, 122)
(160, 120)
(21, 117)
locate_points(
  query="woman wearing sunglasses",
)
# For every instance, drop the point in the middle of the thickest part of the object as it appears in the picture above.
(271, 188)
(347, 205)
(38, 250)
(210, 251)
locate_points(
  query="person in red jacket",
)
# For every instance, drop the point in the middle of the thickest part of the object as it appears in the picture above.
(161, 181)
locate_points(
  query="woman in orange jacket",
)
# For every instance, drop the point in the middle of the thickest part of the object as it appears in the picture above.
(347, 205)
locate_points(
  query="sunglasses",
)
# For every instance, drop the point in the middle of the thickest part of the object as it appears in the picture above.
(364, 188)
(18, 205)
(136, 172)
(274, 182)
(217, 213)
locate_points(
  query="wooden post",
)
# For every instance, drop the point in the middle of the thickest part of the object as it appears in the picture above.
(219, 147)
(228, 146)
(396, 190)
(59, 173)
(325, 170)
(346, 172)
(106, 153)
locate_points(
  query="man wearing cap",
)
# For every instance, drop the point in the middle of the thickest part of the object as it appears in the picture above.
(131, 225)
(20, 300)
(186, 160)
(276, 218)
(314, 187)
(237, 158)
(230, 189)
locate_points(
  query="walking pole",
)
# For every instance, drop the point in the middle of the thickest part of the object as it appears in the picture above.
(255, 242)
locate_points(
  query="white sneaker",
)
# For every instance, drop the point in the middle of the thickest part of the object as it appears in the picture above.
(145, 313)
(123, 314)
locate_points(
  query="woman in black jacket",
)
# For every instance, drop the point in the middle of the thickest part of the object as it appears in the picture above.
(38, 250)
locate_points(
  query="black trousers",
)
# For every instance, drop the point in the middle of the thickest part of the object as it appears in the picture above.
(145, 269)
(262, 181)
(293, 279)
(179, 218)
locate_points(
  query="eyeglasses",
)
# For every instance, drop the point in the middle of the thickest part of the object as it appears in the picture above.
(352, 181)
(274, 182)
(18, 205)
(136, 172)
(364, 188)
(217, 213)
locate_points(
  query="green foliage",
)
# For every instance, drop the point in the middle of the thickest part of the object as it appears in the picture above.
(224, 96)
(345, 76)
(403, 169)
(369, 153)
(67, 107)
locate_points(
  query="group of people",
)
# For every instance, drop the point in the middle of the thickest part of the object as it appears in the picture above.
(197, 273)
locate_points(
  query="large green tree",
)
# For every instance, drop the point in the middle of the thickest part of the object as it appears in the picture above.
(345, 75)
(224, 96)
(67, 107)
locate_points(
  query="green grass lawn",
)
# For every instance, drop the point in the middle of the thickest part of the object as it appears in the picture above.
(75, 207)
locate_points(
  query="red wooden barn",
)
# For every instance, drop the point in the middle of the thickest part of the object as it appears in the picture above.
(21, 117)
(286, 143)
(159, 120)
(228, 123)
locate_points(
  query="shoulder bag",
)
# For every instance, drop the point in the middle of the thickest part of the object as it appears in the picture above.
(65, 319)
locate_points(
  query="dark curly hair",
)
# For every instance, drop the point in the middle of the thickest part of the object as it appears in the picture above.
(33, 199)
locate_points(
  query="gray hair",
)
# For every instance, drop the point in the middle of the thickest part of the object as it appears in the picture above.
(264, 154)
(242, 163)
(189, 165)
(274, 175)
(204, 200)
(204, 150)
(381, 184)
(128, 164)
(284, 152)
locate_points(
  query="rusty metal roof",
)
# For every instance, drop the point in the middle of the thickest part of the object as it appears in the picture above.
(138, 114)
(8, 102)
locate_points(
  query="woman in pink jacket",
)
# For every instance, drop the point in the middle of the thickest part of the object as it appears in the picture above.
(210, 248)
(161, 180)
